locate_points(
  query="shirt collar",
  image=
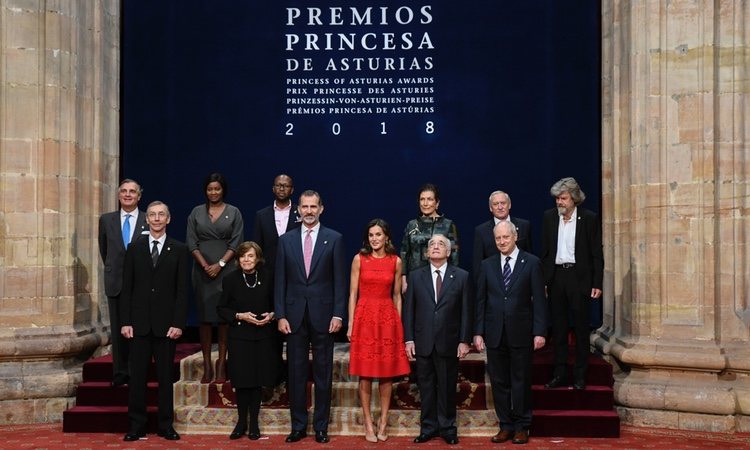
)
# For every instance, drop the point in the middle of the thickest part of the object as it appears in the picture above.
(442, 268)
(276, 207)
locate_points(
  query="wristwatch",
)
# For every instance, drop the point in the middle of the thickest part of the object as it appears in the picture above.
(222, 263)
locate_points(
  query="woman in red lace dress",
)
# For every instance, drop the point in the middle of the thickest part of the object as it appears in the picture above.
(375, 331)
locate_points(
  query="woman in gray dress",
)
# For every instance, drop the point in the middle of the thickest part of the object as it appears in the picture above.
(214, 231)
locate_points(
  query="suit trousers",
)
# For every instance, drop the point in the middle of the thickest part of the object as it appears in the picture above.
(436, 379)
(119, 343)
(142, 349)
(509, 369)
(567, 300)
(297, 348)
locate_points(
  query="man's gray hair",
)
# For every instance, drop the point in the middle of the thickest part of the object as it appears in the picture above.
(569, 185)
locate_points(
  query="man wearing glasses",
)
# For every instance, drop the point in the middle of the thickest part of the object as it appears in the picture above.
(276, 219)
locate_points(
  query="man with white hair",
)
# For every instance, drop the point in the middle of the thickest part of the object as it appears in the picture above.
(438, 327)
(484, 237)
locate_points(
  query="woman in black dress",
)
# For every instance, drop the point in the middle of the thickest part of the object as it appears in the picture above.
(247, 306)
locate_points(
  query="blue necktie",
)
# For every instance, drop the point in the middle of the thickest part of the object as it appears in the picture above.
(506, 272)
(126, 231)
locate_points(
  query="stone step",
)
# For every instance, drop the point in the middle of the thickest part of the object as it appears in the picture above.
(348, 422)
(104, 419)
(471, 368)
(100, 393)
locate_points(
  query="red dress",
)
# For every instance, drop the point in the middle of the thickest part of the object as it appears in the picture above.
(377, 343)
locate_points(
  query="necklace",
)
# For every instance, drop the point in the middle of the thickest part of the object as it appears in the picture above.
(255, 283)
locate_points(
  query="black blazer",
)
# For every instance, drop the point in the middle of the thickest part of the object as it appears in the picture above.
(484, 241)
(237, 297)
(112, 250)
(265, 234)
(522, 309)
(153, 299)
(589, 266)
(443, 325)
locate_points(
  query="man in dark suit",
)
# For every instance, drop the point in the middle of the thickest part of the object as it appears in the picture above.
(511, 322)
(116, 230)
(573, 265)
(438, 325)
(275, 220)
(310, 299)
(484, 237)
(153, 311)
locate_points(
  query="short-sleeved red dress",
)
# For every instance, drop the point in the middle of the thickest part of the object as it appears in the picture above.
(377, 342)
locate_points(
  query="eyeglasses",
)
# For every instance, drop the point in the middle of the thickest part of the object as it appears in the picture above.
(282, 186)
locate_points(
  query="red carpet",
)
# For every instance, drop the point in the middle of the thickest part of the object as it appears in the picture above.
(51, 436)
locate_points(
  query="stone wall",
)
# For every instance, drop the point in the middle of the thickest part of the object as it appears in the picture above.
(59, 127)
(676, 211)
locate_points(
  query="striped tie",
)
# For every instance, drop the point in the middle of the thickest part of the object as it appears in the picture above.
(506, 272)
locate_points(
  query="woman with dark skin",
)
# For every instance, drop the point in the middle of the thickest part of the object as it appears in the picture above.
(214, 230)
(246, 305)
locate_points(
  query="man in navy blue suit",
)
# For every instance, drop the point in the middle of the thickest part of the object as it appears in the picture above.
(310, 299)
(510, 321)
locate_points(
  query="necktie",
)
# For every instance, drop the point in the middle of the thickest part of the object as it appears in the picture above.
(438, 285)
(307, 251)
(506, 272)
(155, 252)
(126, 230)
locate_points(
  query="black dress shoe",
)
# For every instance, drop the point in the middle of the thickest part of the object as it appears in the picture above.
(423, 438)
(238, 432)
(134, 437)
(169, 434)
(321, 437)
(556, 382)
(579, 385)
(451, 440)
(295, 436)
(254, 435)
(120, 380)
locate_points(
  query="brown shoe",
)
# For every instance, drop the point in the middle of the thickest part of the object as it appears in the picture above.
(521, 437)
(501, 436)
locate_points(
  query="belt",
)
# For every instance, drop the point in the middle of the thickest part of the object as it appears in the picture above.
(566, 265)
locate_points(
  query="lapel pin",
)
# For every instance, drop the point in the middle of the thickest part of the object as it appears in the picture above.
(325, 242)
(169, 249)
(523, 261)
(451, 276)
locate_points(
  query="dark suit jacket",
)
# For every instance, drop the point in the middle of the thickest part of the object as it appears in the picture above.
(443, 325)
(112, 250)
(154, 298)
(521, 310)
(589, 255)
(324, 293)
(265, 234)
(236, 297)
(484, 241)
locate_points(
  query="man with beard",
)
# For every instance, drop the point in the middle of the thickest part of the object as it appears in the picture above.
(310, 299)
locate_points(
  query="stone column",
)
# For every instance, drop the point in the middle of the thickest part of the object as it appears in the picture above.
(676, 211)
(59, 113)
